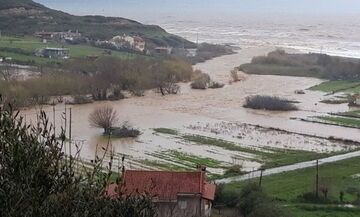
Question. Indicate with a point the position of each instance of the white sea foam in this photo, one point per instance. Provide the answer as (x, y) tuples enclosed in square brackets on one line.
[(338, 36)]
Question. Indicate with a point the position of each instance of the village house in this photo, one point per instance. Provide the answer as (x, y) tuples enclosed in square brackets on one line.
[(175, 194), (139, 44), (53, 53), (131, 42), (44, 35), (163, 50), (61, 36)]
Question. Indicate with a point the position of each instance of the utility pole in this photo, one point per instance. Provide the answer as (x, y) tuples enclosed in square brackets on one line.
[(70, 120), (261, 175), (317, 178), (54, 124), (65, 119)]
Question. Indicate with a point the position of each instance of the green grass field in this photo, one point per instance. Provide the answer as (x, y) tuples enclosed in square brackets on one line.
[(341, 121), (270, 157), (338, 86), (354, 114), (30, 44), (287, 187)]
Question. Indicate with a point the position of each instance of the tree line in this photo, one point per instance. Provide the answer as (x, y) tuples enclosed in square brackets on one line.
[(102, 79)]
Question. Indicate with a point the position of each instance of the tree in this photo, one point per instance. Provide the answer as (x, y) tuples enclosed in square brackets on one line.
[(254, 202), (164, 79), (37, 179), (251, 196), (104, 117)]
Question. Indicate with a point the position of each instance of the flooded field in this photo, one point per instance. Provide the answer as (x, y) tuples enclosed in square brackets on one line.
[(211, 126)]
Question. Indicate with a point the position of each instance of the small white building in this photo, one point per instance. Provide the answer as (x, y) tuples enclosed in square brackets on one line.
[(191, 52), (163, 50), (53, 53)]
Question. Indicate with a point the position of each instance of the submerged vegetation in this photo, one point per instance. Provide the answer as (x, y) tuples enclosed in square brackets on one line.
[(305, 65), (269, 103), (267, 156), (103, 78), (337, 86), (341, 121)]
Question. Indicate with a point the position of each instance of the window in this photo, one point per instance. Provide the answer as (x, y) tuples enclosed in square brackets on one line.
[(182, 204)]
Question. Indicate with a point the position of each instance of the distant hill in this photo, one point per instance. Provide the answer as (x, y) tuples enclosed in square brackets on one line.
[(25, 17)]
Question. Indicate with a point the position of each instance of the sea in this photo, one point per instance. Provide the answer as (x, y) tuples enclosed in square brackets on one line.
[(337, 35)]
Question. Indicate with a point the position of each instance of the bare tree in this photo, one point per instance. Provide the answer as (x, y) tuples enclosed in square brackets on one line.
[(166, 84), (104, 117)]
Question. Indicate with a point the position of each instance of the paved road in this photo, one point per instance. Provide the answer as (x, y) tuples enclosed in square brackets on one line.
[(292, 167)]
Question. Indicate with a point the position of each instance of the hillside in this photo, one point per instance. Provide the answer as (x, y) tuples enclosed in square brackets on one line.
[(25, 17)]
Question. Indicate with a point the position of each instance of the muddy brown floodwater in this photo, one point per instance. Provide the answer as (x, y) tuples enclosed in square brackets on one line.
[(214, 107)]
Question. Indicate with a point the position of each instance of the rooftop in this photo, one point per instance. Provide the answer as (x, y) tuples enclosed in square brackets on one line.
[(165, 185)]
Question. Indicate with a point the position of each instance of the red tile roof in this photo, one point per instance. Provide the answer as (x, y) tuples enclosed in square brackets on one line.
[(165, 185)]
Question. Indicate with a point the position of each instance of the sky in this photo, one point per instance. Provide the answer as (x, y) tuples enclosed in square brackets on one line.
[(136, 8)]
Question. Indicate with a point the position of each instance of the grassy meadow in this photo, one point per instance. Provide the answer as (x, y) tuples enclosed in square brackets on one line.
[(287, 189), (21, 49)]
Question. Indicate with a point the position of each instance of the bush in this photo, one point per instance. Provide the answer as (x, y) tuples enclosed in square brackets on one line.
[(234, 75), (233, 171), (81, 99), (310, 197), (125, 131), (201, 82), (225, 197), (116, 95), (269, 103), (251, 196), (37, 179), (215, 85)]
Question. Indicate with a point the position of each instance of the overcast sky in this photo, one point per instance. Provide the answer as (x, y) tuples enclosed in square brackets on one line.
[(134, 8)]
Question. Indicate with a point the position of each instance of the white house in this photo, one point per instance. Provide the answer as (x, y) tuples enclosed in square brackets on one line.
[(126, 41)]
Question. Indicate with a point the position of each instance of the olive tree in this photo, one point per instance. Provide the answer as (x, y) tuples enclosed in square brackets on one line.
[(37, 179)]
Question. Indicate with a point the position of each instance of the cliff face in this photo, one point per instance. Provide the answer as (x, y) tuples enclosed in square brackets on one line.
[(25, 17)]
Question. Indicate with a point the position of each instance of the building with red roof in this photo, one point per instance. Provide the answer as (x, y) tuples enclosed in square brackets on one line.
[(175, 194)]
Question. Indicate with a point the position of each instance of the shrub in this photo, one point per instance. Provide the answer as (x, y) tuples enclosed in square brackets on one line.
[(201, 82), (233, 171), (251, 196), (116, 95), (125, 131), (81, 99), (310, 197), (225, 197), (269, 103), (37, 179), (234, 75), (215, 85)]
